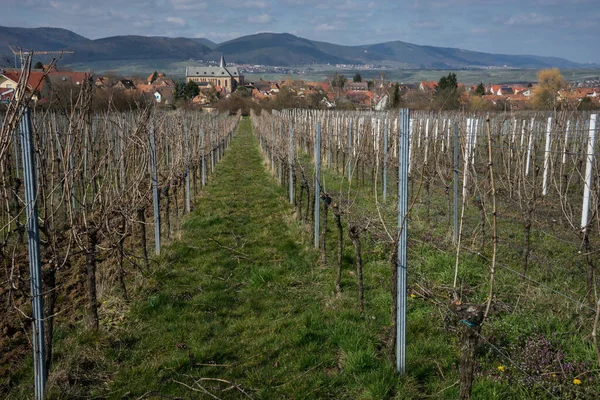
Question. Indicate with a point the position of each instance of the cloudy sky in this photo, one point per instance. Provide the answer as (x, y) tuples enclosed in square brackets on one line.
[(563, 28)]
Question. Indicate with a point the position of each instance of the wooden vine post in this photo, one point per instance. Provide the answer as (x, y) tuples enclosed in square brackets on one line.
[(471, 318), (354, 233), (494, 219), (338, 223)]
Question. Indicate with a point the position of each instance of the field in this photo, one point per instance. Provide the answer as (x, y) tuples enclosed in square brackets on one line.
[(248, 300), (176, 70), (471, 77)]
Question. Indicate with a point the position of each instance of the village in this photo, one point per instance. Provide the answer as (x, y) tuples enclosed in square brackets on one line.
[(212, 87)]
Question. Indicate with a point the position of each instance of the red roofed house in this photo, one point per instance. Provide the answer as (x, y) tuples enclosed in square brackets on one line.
[(153, 77), (427, 86), (586, 92), (164, 95), (43, 84), (36, 82), (500, 90)]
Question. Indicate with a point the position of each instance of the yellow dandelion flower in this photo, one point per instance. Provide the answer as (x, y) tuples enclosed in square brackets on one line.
[(576, 381), (501, 368), (554, 375), (412, 295)]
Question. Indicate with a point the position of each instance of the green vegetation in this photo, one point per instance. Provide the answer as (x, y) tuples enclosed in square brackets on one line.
[(241, 306), (338, 81), (545, 95), (186, 91), (447, 95), (239, 298), (395, 97), (480, 90)]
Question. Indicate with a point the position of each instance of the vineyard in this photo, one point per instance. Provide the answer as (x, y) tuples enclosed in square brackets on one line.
[(506, 264), (109, 188), (489, 222)]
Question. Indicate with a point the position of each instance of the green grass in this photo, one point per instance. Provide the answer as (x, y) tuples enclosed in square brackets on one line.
[(242, 299), (524, 313), (241, 304)]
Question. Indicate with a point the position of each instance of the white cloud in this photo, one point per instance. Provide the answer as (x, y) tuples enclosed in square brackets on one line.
[(188, 5), (176, 20), (254, 4), (325, 28), (528, 19), (259, 19)]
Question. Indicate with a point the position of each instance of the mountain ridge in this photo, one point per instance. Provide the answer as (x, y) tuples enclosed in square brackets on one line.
[(277, 49)]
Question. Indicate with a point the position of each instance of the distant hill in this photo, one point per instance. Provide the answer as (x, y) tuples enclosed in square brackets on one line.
[(281, 49), (285, 49), (208, 43), (276, 49), (136, 48), (443, 57), (35, 39)]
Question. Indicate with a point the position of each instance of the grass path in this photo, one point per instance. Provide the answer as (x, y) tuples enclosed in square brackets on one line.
[(241, 299)]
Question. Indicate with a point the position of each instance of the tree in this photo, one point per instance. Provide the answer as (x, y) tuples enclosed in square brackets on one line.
[(192, 89), (357, 77), (448, 97), (211, 95), (478, 103), (38, 65), (177, 90), (186, 91), (286, 98), (154, 76), (586, 104), (314, 99), (480, 91), (395, 96), (242, 91), (447, 83), (338, 81), (545, 95)]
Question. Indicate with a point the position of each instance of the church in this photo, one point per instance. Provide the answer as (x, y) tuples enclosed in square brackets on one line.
[(223, 78)]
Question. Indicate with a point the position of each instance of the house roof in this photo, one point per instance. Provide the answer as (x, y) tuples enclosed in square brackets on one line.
[(158, 75), (428, 85), (127, 83), (75, 78), (264, 86), (145, 88), (584, 91), (213, 72), (221, 71), (323, 85), (36, 80), (356, 86), (165, 91), (163, 81)]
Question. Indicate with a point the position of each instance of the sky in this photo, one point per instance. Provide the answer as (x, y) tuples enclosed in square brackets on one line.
[(563, 28)]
